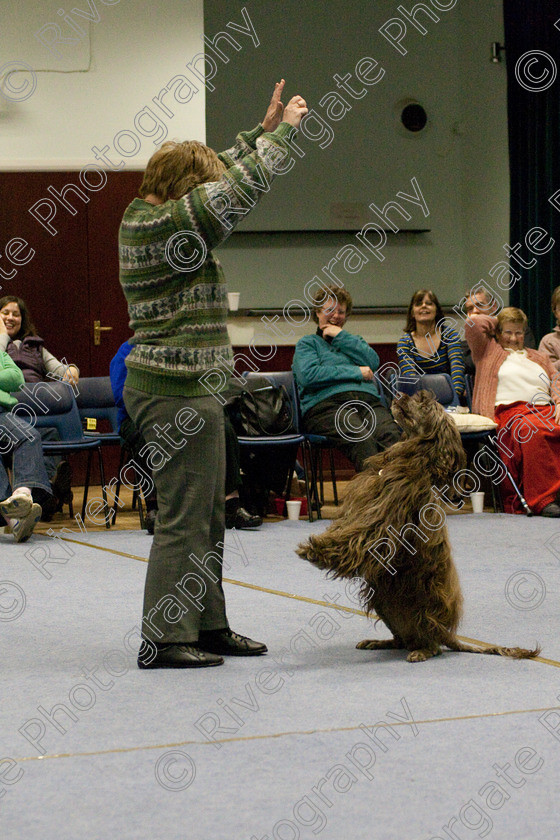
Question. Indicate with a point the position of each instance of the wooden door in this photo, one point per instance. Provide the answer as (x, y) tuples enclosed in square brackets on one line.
[(107, 302), (72, 279), (54, 283)]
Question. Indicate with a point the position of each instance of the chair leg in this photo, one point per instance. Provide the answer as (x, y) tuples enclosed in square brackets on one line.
[(116, 502), (86, 484), (320, 463), (311, 491), (316, 490), (140, 509), (288, 484), (333, 477), (104, 489)]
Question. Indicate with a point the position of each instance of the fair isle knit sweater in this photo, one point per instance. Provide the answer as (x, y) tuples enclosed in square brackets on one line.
[(179, 316), (488, 357)]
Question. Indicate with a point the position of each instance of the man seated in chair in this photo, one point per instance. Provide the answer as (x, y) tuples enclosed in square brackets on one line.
[(334, 373)]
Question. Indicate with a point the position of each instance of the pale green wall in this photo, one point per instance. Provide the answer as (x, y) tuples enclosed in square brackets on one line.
[(460, 160)]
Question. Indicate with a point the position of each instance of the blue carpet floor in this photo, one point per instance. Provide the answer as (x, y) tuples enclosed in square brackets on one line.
[(315, 739)]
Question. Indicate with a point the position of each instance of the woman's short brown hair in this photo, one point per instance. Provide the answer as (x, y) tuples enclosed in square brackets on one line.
[(513, 314), (176, 168), (417, 299), (342, 297)]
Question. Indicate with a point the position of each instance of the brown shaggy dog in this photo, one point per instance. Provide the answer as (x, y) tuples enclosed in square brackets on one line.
[(392, 534)]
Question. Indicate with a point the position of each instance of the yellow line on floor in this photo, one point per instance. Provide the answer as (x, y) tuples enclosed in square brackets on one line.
[(303, 598), (288, 733), (102, 548)]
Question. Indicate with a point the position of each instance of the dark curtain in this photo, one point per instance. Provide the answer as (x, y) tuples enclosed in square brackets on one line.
[(534, 150)]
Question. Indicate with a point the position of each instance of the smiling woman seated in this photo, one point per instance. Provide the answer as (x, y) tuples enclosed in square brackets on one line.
[(428, 346), (334, 374), (19, 339), (519, 388)]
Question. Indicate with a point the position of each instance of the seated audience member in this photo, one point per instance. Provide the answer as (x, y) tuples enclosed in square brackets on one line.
[(26, 348), (236, 516), (334, 371), (20, 509), (427, 348), (550, 343), (19, 339), (515, 386), (480, 302)]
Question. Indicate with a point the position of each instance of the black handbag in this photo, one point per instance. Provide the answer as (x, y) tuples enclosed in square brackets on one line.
[(266, 410)]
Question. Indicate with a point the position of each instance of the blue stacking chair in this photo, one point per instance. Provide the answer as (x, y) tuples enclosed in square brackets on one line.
[(54, 406), (440, 384), (294, 439), (96, 400)]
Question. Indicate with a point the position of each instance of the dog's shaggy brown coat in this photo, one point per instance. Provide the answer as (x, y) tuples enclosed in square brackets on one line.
[(414, 587)]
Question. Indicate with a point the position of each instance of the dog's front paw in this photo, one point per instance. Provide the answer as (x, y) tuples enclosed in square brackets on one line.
[(422, 654), (377, 644)]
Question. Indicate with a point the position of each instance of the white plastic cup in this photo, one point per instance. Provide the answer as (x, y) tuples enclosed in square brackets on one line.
[(477, 502), (294, 509), (233, 301)]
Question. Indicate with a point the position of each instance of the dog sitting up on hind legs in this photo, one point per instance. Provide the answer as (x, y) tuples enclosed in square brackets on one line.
[(392, 534)]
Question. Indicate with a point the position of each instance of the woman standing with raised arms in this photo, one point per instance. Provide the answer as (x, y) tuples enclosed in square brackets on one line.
[(179, 322)]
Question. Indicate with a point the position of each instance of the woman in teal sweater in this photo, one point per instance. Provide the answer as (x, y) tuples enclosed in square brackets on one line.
[(334, 374), (20, 510)]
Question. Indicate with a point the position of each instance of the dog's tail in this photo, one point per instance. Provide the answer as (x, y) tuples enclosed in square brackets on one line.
[(512, 652)]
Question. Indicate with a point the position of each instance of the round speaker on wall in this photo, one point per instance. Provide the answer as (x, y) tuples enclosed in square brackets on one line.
[(412, 119)]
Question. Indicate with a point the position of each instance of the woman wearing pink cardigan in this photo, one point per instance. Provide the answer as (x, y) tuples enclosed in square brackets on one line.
[(520, 389)]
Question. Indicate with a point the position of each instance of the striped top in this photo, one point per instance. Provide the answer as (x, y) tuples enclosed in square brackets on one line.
[(174, 286), (448, 358)]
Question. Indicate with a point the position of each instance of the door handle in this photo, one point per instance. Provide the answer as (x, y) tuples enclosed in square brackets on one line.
[(97, 330)]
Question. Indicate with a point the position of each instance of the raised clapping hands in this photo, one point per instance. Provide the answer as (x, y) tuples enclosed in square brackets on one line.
[(295, 110), (273, 116), (3, 330), (292, 113)]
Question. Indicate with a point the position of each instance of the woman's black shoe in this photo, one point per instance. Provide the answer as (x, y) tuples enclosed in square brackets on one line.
[(151, 655), (227, 643)]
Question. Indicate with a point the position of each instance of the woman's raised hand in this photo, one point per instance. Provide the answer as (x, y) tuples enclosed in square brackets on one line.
[(295, 110), (273, 116)]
